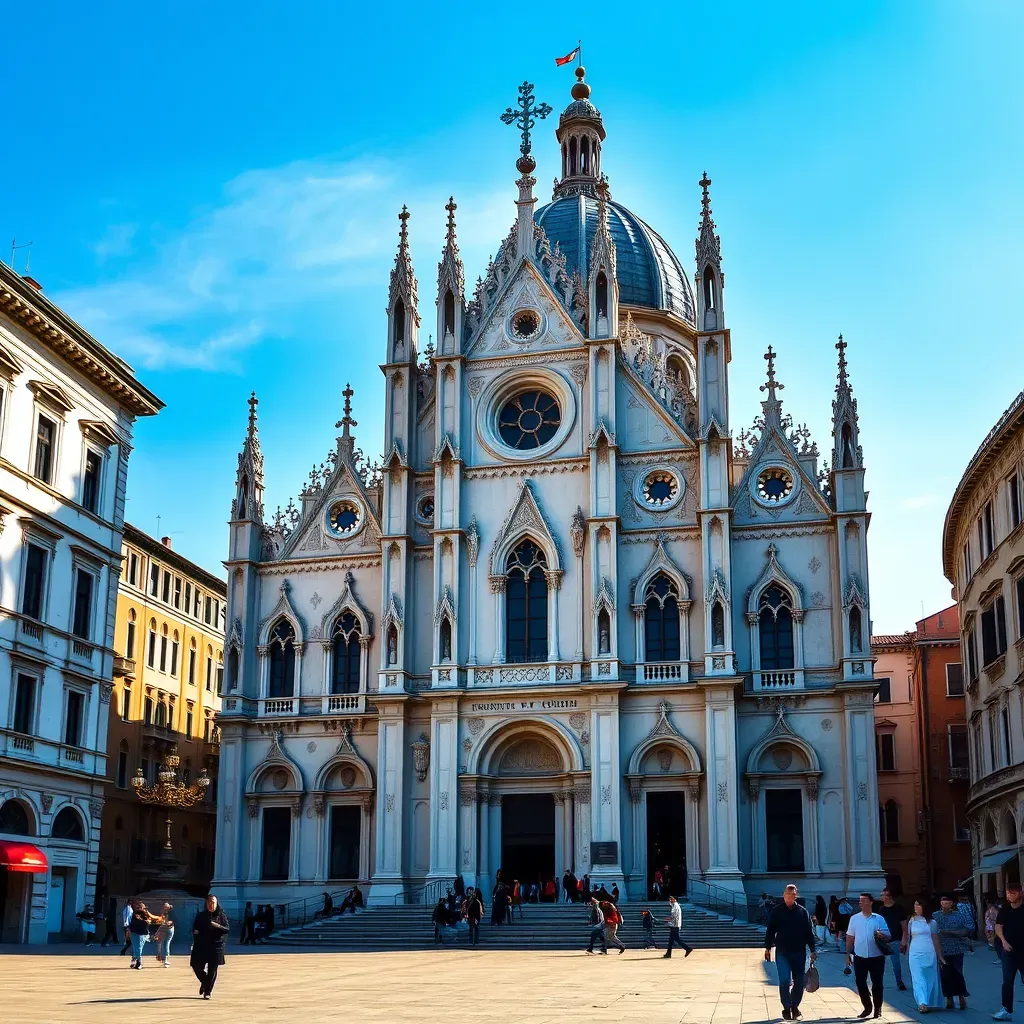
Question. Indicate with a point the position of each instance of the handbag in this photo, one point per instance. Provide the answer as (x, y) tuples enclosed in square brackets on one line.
[(883, 943), (811, 981)]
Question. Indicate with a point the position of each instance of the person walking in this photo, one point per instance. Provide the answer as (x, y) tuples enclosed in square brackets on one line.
[(126, 924), (991, 913), (954, 927), (612, 920), (966, 907), (862, 934), (820, 922), (596, 926), (141, 921), (790, 931), (675, 922), (924, 954), (896, 918), (209, 937), (647, 923), (248, 936), (474, 914), (440, 920), (87, 919), (1009, 930), (165, 936)]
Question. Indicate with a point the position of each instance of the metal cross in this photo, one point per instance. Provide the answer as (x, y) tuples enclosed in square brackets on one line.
[(527, 116), (772, 385), (841, 346)]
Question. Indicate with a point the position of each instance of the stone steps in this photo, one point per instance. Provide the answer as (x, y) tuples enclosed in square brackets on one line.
[(542, 926)]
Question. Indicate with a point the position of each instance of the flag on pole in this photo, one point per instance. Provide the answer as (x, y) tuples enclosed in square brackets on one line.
[(559, 61)]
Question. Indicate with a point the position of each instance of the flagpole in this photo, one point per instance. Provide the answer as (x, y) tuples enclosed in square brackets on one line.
[(579, 53)]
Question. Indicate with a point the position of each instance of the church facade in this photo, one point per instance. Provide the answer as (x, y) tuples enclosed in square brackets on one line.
[(574, 619)]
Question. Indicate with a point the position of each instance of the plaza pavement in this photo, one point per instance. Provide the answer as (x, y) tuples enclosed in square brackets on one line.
[(67, 985)]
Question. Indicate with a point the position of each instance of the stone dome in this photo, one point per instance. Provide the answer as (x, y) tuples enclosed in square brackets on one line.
[(649, 273)]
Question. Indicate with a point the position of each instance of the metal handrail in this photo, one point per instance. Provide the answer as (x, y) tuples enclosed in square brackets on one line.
[(724, 902), (302, 911), (427, 894)]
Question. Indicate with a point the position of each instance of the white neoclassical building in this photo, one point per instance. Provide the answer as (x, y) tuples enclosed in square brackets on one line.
[(574, 619), (67, 411)]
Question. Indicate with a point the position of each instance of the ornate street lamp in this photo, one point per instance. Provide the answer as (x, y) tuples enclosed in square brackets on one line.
[(169, 792)]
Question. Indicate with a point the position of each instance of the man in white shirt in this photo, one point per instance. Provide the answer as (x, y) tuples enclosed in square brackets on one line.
[(126, 920), (868, 959), (675, 922)]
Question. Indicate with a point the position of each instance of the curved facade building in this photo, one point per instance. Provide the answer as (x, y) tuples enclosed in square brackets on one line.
[(983, 557)]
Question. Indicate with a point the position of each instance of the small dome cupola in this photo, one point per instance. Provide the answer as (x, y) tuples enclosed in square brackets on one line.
[(580, 133)]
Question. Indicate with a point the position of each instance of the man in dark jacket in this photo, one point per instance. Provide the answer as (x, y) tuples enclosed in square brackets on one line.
[(209, 936), (790, 932)]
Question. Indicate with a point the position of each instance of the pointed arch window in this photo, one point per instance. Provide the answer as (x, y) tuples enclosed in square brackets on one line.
[(572, 155), (243, 496), (445, 640), (392, 645), (232, 666), (345, 655), (856, 644), (709, 288), (399, 324), (775, 626), (449, 312), (717, 626), (282, 660), (661, 614), (526, 604), (604, 632), (846, 437), (602, 294)]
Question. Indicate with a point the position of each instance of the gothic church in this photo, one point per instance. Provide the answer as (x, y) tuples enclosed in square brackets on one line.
[(572, 620)]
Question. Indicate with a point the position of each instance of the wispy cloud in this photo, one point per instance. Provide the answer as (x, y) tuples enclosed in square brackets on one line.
[(273, 241)]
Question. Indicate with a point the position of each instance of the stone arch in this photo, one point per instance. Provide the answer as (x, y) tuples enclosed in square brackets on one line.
[(62, 817), (988, 832), (284, 609), (339, 764), (27, 808), (347, 602), (276, 760), (661, 562), (773, 573), (502, 736), (525, 522), (678, 744), (1007, 828), (782, 736)]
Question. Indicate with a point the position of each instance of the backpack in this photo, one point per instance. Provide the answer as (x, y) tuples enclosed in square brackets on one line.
[(845, 908)]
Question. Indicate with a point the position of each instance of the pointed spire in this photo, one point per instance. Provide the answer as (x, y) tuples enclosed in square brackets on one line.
[(772, 406), (847, 453), (708, 245), (249, 478), (346, 441), (403, 279), (603, 236), (450, 271)]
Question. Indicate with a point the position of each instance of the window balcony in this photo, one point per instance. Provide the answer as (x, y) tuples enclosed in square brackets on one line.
[(344, 703), (73, 755), (32, 630), (124, 668), (24, 743), (82, 651), (664, 672), (272, 706), (779, 680)]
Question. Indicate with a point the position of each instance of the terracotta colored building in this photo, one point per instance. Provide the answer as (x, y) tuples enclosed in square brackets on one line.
[(942, 717), (898, 755)]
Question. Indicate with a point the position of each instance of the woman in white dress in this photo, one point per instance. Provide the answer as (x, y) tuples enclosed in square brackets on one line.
[(925, 957)]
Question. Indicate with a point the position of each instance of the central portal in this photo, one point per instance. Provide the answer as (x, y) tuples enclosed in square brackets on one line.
[(666, 841), (528, 837)]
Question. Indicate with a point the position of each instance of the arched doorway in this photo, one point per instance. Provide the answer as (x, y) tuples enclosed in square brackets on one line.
[(525, 806)]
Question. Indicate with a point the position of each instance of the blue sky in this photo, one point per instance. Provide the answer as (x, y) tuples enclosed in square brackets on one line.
[(211, 189)]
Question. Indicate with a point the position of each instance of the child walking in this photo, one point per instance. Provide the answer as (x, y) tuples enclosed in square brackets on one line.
[(647, 923)]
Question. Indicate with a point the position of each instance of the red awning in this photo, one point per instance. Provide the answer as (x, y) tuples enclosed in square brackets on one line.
[(21, 857)]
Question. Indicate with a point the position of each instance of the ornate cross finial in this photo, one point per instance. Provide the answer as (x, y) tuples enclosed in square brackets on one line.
[(403, 234), (346, 422), (841, 347), (253, 402), (705, 202), (451, 206), (525, 118), (709, 245), (772, 385)]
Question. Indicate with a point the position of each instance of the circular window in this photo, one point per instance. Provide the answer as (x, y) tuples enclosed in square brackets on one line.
[(525, 324), (660, 488), (774, 485), (344, 518), (425, 508), (529, 420)]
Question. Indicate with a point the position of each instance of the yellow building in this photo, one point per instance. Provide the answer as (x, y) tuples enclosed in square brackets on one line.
[(168, 673)]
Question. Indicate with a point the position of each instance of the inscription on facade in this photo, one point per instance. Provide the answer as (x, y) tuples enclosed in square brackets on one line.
[(524, 705)]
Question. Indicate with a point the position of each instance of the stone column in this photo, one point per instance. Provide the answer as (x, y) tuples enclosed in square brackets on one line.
[(444, 774), (638, 858), (570, 829), (581, 794), (554, 582), (387, 874), (559, 801), (484, 855), (758, 827), (722, 774), (495, 830), (469, 863), (605, 773), (322, 829), (694, 860), (364, 835), (498, 590), (812, 863), (861, 787)]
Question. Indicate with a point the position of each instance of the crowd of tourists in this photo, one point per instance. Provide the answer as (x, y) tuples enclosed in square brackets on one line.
[(934, 938)]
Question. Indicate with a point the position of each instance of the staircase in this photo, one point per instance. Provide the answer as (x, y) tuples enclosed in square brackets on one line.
[(543, 926)]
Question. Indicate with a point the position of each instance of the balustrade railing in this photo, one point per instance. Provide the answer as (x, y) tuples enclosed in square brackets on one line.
[(657, 671)]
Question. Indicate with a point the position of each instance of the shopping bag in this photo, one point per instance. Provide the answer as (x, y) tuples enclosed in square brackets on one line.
[(811, 981)]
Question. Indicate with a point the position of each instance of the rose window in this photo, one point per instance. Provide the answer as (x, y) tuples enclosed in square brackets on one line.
[(525, 324), (660, 487), (529, 420), (343, 518), (774, 486)]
